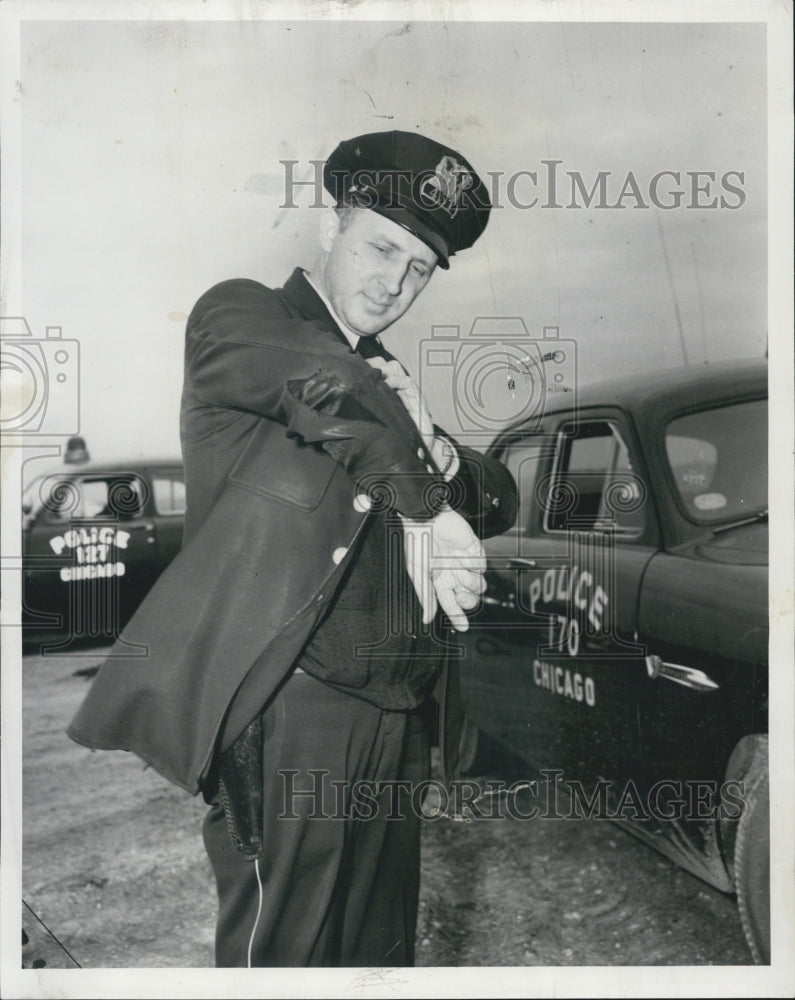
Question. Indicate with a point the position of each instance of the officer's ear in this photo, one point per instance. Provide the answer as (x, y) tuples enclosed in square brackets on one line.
[(330, 223)]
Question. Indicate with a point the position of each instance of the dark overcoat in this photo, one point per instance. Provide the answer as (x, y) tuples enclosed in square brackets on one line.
[(291, 441)]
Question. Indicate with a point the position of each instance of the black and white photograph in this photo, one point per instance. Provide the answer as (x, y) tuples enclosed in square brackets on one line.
[(397, 533)]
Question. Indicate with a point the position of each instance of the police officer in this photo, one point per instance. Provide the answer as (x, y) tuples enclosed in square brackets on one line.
[(331, 531)]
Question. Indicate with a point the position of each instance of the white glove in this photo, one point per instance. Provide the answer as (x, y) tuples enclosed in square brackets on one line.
[(410, 396), (445, 562)]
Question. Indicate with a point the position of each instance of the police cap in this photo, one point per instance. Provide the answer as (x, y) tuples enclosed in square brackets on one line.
[(425, 187)]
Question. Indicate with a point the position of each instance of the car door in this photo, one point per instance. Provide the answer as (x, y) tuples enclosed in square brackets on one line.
[(552, 666), (89, 551), (495, 665)]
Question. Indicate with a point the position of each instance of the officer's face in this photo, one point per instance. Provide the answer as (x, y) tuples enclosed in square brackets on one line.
[(373, 269)]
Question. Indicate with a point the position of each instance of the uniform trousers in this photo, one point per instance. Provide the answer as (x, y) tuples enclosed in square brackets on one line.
[(338, 881)]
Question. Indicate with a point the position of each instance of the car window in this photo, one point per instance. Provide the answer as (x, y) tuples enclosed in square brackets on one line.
[(718, 461), (521, 456), (95, 497), (169, 493), (593, 485), (65, 499)]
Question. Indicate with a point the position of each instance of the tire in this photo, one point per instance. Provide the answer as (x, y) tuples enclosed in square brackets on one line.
[(752, 855)]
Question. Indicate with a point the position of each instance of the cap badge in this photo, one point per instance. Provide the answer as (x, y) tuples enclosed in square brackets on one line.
[(448, 183)]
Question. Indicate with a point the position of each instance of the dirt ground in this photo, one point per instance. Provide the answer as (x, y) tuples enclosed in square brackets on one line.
[(113, 864)]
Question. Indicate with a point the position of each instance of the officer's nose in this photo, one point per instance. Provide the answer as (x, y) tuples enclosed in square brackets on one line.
[(392, 276)]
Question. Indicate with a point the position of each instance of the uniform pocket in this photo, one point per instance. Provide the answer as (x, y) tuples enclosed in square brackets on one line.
[(283, 468)]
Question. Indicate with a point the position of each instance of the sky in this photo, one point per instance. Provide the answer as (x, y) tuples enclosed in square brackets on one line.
[(150, 171)]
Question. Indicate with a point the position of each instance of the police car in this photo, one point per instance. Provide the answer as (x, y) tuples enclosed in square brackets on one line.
[(95, 537), (621, 647)]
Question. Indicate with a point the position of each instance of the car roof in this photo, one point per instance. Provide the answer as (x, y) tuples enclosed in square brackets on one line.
[(119, 466), (650, 394), (98, 467)]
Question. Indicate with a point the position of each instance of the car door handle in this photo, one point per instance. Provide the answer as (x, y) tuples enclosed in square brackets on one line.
[(519, 562), (690, 677), (510, 603)]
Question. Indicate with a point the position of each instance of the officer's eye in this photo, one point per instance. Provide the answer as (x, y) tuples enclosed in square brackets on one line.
[(419, 270), (380, 248)]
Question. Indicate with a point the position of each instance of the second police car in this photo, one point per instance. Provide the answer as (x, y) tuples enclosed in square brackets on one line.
[(95, 537)]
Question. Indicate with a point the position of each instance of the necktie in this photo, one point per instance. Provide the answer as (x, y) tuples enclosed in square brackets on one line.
[(369, 347)]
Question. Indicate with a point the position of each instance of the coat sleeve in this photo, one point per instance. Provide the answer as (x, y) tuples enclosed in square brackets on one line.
[(482, 490), (244, 351)]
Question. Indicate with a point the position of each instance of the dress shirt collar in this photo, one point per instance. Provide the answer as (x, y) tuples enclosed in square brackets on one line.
[(311, 304), (314, 305), (350, 336)]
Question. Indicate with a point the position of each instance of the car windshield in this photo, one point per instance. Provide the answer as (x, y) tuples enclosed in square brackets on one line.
[(718, 459)]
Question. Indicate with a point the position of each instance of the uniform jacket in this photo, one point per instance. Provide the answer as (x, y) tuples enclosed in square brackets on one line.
[(290, 439)]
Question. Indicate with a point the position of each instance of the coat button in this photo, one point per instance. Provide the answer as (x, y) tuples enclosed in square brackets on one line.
[(431, 469), (362, 503), (420, 453), (338, 555)]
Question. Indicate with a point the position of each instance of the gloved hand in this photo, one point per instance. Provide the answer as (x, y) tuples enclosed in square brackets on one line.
[(404, 385), (446, 563), (410, 396)]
